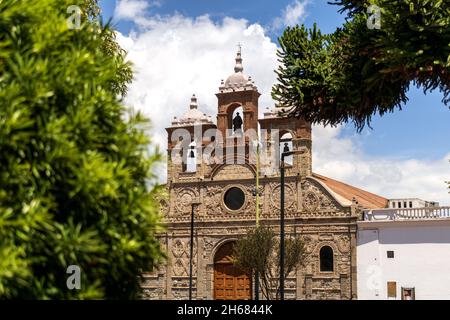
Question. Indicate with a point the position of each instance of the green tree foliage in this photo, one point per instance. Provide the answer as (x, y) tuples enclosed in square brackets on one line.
[(259, 252), (358, 71), (75, 168)]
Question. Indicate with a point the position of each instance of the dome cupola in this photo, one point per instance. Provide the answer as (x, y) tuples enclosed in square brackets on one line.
[(192, 116), (238, 80)]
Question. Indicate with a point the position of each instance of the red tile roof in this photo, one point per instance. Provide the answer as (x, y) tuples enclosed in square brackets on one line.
[(367, 199)]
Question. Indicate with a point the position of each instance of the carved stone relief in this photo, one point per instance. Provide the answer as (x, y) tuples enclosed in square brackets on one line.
[(310, 201), (343, 243), (184, 198), (213, 197), (289, 196), (180, 252), (317, 201), (152, 293)]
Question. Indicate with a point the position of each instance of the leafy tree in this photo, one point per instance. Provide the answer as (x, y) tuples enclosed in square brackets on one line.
[(357, 71), (259, 252), (74, 173)]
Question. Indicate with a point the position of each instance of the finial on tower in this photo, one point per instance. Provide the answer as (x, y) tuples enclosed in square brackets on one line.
[(194, 104), (239, 67)]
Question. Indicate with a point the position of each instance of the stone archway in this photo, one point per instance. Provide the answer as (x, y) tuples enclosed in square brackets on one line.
[(230, 283)]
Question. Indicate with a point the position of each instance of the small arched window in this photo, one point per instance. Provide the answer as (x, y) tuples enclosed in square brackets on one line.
[(286, 146), (326, 259), (237, 122), (191, 161)]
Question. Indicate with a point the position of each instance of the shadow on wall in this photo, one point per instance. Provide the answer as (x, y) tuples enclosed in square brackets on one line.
[(407, 235)]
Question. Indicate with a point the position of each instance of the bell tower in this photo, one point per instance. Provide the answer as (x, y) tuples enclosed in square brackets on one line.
[(238, 90), (185, 143), (290, 134)]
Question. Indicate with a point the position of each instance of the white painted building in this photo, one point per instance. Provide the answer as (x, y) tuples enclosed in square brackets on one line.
[(405, 203), (404, 254)]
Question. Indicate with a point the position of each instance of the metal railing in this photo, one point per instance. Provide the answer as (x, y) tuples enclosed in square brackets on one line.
[(426, 213)]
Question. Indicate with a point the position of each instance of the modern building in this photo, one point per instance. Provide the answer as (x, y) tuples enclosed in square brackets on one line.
[(404, 254), (220, 190)]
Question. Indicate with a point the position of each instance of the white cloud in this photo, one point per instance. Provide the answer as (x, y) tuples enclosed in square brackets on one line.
[(342, 159), (133, 9), (176, 56), (293, 14)]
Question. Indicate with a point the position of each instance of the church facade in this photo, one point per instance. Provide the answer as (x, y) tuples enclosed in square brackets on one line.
[(212, 175)]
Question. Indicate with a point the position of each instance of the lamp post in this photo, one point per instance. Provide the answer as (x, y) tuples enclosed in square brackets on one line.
[(191, 247), (285, 153), (257, 194)]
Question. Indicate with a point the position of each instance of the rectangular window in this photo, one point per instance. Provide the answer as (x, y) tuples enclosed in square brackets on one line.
[(392, 289), (408, 293), (390, 254), (393, 205), (404, 205), (410, 204), (399, 204)]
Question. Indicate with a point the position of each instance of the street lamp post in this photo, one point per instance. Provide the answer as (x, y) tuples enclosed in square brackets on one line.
[(282, 227), (191, 248), (257, 194), (191, 251), (285, 153)]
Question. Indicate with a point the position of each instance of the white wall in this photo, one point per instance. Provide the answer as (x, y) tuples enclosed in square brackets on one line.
[(416, 203), (421, 258)]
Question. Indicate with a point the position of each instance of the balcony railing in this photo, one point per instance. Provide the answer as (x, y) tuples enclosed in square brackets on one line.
[(427, 213)]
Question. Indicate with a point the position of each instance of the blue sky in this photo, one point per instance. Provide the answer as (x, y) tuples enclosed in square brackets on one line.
[(421, 129), (262, 12), (419, 132)]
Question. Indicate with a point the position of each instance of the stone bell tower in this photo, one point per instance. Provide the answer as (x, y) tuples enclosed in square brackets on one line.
[(186, 142), (293, 132), (238, 90)]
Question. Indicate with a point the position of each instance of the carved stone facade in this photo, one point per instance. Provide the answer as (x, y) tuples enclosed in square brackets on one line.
[(312, 211)]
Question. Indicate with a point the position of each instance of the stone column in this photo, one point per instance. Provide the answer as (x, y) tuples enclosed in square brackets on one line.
[(201, 211), (308, 286), (168, 268), (299, 278), (222, 124), (299, 196), (345, 292), (209, 281), (353, 271), (265, 210), (200, 269)]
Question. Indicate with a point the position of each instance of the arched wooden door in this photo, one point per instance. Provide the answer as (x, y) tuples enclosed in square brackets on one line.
[(230, 283)]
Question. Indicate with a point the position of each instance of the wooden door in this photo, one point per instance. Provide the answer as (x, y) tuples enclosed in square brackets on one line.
[(230, 283)]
